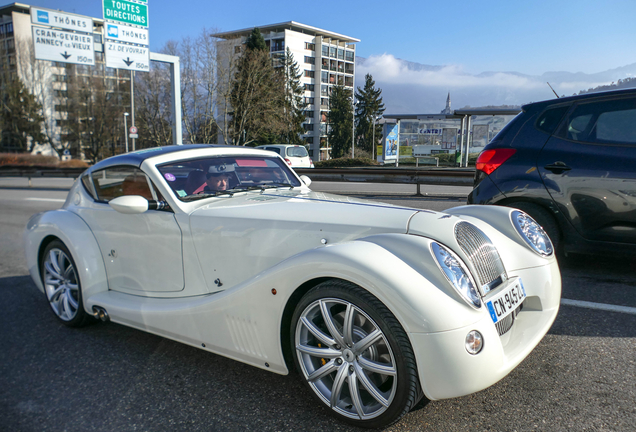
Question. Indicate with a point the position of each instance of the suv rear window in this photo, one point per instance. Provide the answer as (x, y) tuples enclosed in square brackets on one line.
[(605, 122), (550, 119)]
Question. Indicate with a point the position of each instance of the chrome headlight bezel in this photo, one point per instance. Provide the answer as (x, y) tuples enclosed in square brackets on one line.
[(532, 233), (457, 274)]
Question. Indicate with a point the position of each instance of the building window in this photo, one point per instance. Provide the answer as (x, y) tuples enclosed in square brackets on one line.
[(310, 46), (340, 54), (59, 108), (311, 60), (332, 52), (349, 68), (309, 140), (59, 78), (309, 114), (324, 77), (309, 74), (325, 51), (309, 87), (8, 28), (324, 102), (61, 93), (324, 90), (308, 127), (10, 44), (277, 45), (309, 100), (349, 55), (97, 37)]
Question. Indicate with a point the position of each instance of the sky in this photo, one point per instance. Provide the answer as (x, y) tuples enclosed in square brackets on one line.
[(467, 38)]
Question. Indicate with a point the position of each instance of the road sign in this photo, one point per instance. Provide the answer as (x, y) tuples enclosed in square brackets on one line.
[(134, 135), (133, 130), (61, 20), (124, 33), (124, 56), (126, 12), (63, 46)]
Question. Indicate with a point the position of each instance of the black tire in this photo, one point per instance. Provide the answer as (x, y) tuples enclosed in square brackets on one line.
[(384, 371), (543, 218), (62, 287)]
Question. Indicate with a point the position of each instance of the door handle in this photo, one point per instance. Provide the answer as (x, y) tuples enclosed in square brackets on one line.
[(557, 167)]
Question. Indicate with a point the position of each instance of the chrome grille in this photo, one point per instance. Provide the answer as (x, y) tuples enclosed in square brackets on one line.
[(506, 324), (483, 256)]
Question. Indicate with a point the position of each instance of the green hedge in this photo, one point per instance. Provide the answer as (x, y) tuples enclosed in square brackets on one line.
[(346, 162)]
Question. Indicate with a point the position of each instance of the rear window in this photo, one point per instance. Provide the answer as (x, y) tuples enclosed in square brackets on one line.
[(605, 122), (297, 151), (550, 119)]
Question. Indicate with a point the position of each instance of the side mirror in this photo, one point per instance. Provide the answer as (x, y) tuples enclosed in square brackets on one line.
[(305, 180), (129, 204)]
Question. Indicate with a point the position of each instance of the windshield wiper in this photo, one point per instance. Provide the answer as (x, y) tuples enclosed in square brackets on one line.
[(195, 197), (277, 185)]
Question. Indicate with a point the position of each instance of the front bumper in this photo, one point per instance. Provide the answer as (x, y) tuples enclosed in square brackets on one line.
[(447, 370)]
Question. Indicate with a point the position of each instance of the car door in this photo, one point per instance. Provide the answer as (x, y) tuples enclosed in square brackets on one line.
[(142, 252), (589, 168)]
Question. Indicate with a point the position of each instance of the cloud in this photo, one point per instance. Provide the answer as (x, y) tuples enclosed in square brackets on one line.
[(409, 87)]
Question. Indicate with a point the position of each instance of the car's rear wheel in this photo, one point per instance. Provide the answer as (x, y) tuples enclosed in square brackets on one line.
[(62, 285), (354, 355), (543, 218)]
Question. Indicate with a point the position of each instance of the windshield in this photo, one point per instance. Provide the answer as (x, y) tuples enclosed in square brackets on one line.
[(297, 151), (212, 176)]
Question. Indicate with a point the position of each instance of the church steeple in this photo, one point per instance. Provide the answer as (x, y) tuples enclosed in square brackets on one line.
[(447, 110)]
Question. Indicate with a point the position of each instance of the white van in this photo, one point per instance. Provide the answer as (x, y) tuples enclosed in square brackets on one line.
[(296, 156)]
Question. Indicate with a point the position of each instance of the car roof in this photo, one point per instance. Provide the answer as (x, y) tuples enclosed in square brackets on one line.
[(136, 158), (565, 100)]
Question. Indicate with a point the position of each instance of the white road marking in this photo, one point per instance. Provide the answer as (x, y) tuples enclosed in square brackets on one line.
[(45, 199), (599, 306)]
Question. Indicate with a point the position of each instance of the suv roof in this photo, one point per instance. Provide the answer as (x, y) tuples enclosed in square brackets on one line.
[(535, 105)]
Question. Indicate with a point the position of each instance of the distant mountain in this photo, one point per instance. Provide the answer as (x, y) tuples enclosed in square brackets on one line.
[(414, 88)]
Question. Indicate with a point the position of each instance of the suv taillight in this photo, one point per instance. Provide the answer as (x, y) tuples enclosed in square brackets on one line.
[(490, 160), (288, 161)]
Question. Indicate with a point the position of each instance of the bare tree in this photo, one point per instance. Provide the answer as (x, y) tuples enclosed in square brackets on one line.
[(153, 103), (93, 111), (38, 77)]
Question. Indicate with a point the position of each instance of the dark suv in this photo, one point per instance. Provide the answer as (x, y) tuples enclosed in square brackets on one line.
[(571, 164)]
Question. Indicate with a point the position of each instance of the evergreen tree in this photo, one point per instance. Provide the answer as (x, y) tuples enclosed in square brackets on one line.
[(20, 116), (294, 108), (369, 106), (340, 121), (257, 96), (255, 41)]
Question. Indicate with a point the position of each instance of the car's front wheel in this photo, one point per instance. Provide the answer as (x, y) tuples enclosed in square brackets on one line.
[(62, 285), (354, 355)]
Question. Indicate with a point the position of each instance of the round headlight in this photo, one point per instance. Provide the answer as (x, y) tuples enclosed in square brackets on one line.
[(532, 233), (456, 273)]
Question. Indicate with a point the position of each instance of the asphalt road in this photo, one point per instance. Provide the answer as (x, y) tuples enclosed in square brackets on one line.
[(107, 377)]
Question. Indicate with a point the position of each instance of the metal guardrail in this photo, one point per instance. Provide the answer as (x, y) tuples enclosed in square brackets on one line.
[(426, 176)]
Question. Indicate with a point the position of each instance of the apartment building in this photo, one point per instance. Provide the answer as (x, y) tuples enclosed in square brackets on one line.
[(49, 81), (324, 58)]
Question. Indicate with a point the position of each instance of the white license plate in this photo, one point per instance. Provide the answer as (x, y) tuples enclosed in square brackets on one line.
[(506, 301)]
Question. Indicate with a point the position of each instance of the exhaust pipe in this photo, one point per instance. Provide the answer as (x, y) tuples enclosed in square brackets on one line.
[(100, 312)]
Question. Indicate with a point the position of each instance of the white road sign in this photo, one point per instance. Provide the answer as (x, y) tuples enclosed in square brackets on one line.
[(124, 56), (61, 20), (63, 46), (124, 33)]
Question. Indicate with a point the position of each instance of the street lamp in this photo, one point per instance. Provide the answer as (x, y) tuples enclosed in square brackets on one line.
[(126, 129)]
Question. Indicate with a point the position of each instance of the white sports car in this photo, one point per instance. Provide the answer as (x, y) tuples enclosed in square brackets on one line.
[(228, 250)]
